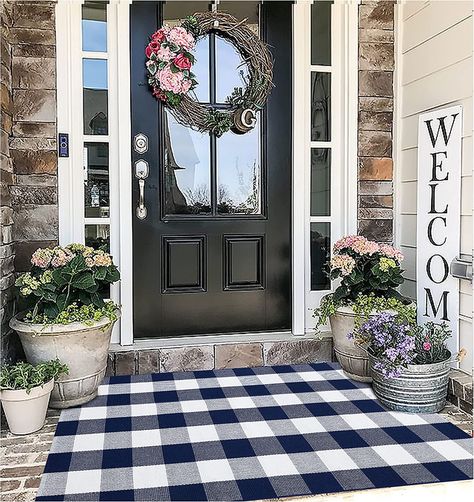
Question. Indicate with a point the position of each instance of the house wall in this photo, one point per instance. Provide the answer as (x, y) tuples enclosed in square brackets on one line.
[(28, 147), (435, 43)]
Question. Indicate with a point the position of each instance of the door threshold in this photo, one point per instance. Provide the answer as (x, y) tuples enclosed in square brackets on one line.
[(212, 339)]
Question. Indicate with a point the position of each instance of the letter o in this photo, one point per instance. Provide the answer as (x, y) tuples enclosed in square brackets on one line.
[(445, 265)]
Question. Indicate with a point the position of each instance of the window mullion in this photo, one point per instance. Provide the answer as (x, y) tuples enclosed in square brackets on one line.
[(213, 139)]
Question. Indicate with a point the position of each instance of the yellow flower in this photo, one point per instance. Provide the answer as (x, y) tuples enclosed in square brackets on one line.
[(386, 263)]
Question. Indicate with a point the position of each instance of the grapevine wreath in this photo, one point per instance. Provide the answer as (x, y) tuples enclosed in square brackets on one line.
[(169, 66)]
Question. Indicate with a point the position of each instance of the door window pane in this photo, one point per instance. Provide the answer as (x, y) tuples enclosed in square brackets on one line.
[(186, 169), (201, 70), (321, 32), (243, 10), (320, 254), (96, 189), (94, 26), (98, 237), (320, 106), (95, 96), (231, 71), (320, 182), (239, 179)]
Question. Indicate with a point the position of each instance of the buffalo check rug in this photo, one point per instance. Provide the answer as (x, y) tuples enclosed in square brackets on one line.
[(244, 434)]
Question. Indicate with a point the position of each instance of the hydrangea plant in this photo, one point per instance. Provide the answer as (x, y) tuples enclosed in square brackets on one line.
[(365, 267), (369, 274), (65, 284), (395, 343)]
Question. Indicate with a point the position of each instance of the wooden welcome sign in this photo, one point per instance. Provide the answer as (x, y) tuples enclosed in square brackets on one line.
[(438, 217)]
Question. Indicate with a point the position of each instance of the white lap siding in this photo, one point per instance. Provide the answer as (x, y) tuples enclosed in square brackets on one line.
[(434, 70)]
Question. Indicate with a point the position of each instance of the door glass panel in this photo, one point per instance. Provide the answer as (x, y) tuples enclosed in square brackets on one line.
[(231, 71), (95, 96), (320, 253), (98, 237), (201, 70), (94, 26), (320, 182), (320, 106), (243, 10), (175, 12), (239, 177), (96, 189), (186, 169), (321, 32)]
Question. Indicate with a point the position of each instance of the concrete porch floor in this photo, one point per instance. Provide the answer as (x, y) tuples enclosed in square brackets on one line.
[(24, 457)]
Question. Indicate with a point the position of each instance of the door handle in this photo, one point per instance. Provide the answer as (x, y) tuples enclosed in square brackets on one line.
[(141, 172)]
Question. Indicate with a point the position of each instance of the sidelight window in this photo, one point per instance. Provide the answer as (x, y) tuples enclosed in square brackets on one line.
[(321, 147), (95, 125), (205, 175)]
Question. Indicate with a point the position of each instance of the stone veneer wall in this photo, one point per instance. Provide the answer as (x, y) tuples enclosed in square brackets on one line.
[(7, 251), (375, 171), (29, 158)]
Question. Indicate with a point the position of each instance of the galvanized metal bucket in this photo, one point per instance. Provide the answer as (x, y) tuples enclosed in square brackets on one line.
[(421, 388)]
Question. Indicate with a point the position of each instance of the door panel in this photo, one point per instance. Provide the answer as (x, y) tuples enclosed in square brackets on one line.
[(213, 253)]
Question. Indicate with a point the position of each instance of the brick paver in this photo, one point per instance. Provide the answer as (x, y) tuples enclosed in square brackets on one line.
[(23, 457)]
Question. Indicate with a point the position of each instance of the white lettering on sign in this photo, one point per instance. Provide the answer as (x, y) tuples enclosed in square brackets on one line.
[(439, 217)]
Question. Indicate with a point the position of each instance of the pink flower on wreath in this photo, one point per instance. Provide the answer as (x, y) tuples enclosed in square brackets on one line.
[(159, 94), (152, 47), (426, 346), (186, 85), (182, 62), (179, 36), (165, 54), (160, 35), (170, 81)]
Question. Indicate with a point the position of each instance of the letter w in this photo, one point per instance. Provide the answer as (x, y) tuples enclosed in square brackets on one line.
[(442, 127)]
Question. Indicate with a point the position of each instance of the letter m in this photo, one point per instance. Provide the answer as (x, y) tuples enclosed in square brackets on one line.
[(429, 302)]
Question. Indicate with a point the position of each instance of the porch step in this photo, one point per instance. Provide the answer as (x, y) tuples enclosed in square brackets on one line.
[(208, 353)]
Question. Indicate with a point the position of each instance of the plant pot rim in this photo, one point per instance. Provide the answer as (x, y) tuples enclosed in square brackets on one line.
[(413, 365), (22, 395), (53, 329)]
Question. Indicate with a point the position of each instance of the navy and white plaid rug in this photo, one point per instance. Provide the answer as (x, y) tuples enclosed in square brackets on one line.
[(244, 434)]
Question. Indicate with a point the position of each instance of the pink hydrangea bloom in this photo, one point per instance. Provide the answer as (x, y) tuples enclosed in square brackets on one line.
[(391, 252), (61, 257), (179, 36), (358, 244), (42, 257), (344, 263)]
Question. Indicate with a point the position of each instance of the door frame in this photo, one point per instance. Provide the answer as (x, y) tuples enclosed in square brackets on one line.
[(344, 92)]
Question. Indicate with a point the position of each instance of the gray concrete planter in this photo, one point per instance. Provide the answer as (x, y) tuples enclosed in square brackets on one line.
[(421, 388), (83, 348), (352, 358)]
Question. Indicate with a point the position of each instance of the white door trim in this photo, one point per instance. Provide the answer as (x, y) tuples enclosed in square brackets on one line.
[(343, 144)]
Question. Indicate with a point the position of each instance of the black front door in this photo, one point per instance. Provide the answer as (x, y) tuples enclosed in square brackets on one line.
[(212, 254)]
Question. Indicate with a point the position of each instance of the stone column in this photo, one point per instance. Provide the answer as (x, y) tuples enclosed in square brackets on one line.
[(33, 138), (29, 212), (375, 171), (7, 251)]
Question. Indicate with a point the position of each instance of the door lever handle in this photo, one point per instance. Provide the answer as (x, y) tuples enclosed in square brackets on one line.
[(141, 209), (141, 172)]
